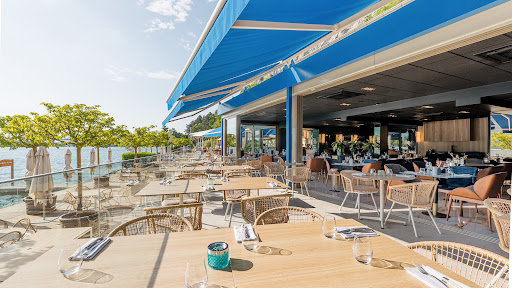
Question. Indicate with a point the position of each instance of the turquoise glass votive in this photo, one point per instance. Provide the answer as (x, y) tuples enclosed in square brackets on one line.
[(218, 255)]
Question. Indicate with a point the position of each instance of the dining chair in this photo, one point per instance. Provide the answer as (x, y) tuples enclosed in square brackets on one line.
[(274, 170), (417, 165), (122, 194), (486, 187), (330, 173), (413, 195), (488, 171), (350, 186), (297, 175), (25, 224), (9, 238), (397, 169), (287, 214), (232, 197), (449, 184), (152, 224), (266, 158), (256, 165), (374, 165), (254, 206), (315, 165), (192, 212), (500, 207), (482, 267)]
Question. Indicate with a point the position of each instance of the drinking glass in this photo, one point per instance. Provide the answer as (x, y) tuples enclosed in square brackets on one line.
[(329, 226), (196, 275), (389, 172), (362, 249), (373, 171), (249, 244), (422, 170), (65, 265)]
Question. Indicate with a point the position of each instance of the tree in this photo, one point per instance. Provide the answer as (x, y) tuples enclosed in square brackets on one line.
[(76, 124), (501, 140), (107, 138), (21, 131), (179, 142), (140, 137), (163, 138), (206, 122)]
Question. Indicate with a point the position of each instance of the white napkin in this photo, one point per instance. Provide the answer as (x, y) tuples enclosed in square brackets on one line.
[(429, 280), (340, 230), (358, 174), (273, 184), (208, 188), (406, 175), (89, 255), (239, 233)]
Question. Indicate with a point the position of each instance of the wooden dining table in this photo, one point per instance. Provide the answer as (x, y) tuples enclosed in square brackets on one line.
[(289, 255)]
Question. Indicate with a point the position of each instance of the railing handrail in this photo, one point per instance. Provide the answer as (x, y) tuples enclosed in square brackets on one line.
[(72, 170)]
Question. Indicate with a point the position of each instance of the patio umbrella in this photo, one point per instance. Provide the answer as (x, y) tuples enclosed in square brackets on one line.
[(67, 161), (41, 187), (109, 159), (30, 163), (92, 159)]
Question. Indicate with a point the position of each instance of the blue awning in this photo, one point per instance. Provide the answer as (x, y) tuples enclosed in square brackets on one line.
[(229, 55), (183, 107), (214, 133), (501, 122)]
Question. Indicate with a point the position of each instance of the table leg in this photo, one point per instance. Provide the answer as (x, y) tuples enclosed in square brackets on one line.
[(181, 203), (334, 183), (435, 205), (382, 198)]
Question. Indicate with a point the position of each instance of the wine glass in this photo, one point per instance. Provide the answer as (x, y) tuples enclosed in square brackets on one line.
[(70, 259), (196, 275), (372, 171), (362, 249), (329, 226), (249, 243)]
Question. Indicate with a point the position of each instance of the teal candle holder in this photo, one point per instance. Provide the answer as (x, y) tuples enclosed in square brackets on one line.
[(218, 255)]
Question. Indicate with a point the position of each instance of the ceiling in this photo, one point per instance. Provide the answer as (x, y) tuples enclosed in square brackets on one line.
[(449, 71)]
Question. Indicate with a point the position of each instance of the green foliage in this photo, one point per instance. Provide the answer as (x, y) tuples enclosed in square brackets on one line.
[(140, 137), (131, 155), (179, 142), (383, 9), (175, 133), (338, 146), (501, 140), (206, 122), (370, 146), (355, 146), (21, 131)]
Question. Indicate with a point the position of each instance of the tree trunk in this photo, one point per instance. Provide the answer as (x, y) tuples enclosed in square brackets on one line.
[(135, 152), (79, 165), (34, 148)]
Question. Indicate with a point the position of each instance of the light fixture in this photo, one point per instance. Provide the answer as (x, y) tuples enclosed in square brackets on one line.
[(345, 104), (427, 107), (425, 119), (463, 112), (339, 119), (284, 109), (368, 89), (391, 115)]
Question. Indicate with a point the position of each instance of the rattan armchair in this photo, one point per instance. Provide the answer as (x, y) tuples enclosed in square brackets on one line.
[(500, 207), (350, 187), (484, 268), (297, 175), (25, 224), (192, 212), (10, 238), (233, 197), (256, 165), (417, 195), (274, 170), (152, 224), (287, 214), (254, 206)]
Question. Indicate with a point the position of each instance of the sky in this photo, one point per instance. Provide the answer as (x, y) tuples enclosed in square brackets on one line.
[(125, 55)]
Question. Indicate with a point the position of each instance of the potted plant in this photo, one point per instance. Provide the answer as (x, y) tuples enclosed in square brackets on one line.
[(370, 146), (338, 147), (355, 146)]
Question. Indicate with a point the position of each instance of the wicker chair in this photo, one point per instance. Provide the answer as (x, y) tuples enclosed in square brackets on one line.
[(418, 195), (256, 165), (479, 266), (25, 224), (192, 212), (72, 201), (274, 170), (254, 206), (233, 197), (287, 214), (350, 187), (125, 194), (266, 158), (10, 238), (297, 175), (330, 172), (152, 224), (500, 207)]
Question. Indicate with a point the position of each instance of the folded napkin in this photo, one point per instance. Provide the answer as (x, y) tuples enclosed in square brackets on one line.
[(207, 188), (92, 248), (273, 184), (430, 281), (132, 183), (358, 174), (406, 175), (351, 232), (239, 234)]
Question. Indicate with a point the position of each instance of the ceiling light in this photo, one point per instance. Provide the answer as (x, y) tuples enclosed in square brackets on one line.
[(427, 107), (463, 112), (368, 89), (345, 104), (392, 115), (425, 119), (339, 119), (284, 109)]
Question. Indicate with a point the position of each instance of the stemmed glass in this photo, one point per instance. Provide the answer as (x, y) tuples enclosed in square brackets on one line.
[(70, 260), (373, 172), (362, 249), (329, 226), (196, 275), (249, 244)]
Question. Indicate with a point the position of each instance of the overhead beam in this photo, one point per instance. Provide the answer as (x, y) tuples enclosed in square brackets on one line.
[(284, 26), (469, 96)]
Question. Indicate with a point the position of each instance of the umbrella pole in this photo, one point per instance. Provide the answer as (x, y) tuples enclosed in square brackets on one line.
[(99, 200)]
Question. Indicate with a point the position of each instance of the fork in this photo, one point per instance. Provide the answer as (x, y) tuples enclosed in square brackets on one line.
[(422, 271)]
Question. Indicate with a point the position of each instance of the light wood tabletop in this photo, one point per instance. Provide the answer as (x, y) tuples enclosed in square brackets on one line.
[(21, 253), (296, 255), (195, 186), (202, 168)]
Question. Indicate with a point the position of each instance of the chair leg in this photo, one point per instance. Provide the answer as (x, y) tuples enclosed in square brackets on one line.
[(301, 192), (489, 218), (358, 206), (375, 203), (226, 214), (412, 220), (307, 190), (231, 215), (432, 217), (449, 208), (344, 199), (461, 211), (389, 213)]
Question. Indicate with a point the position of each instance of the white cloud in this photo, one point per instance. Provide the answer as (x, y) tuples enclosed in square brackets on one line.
[(162, 75), (185, 44), (140, 2), (178, 9), (117, 74), (191, 34), (157, 24), (212, 0)]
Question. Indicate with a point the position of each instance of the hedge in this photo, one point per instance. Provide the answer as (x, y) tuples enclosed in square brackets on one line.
[(131, 155)]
